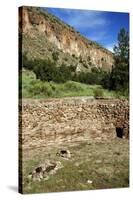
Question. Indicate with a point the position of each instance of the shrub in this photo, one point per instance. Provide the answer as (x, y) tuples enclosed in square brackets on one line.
[(40, 88), (55, 89), (98, 92), (26, 63), (72, 68), (73, 86), (122, 93), (88, 78), (45, 70), (63, 74), (106, 80)]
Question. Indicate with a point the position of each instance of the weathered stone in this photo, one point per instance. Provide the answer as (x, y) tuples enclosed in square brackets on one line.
[(64, 153), (44, 171), (71, 119)]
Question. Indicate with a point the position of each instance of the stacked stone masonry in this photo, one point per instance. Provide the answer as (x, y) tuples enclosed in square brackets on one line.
[(44, 122)]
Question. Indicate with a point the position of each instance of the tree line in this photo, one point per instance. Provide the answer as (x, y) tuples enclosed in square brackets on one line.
[(117, 79)]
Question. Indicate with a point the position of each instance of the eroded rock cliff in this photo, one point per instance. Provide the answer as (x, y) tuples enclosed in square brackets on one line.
[(44, 35)]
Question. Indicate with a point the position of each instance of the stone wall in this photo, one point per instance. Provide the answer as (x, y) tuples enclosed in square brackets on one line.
[(43, 122)]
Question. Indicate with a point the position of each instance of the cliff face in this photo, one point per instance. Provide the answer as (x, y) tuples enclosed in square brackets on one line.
[(44, 34)]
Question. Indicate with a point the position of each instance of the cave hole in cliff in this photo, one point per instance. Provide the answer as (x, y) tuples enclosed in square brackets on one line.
[(119, 132)]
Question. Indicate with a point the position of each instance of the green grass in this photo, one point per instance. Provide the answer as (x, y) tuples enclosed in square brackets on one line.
[(106, 164), (33, 88)]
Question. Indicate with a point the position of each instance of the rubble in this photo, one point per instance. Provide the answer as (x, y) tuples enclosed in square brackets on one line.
[(44, 170)]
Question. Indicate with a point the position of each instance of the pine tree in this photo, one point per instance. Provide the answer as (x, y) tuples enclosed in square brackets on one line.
[(119, 79)]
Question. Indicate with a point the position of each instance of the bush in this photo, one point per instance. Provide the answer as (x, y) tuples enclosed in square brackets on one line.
[(26, 63), (98, 92), (88, 78), (46, 70), (63, 74), (73, 86), (40, 88), (106, 81), (123, 93)]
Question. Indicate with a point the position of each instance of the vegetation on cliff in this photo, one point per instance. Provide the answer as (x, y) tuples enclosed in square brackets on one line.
[(44, 36), (47, 70), (58, 74), (43, 78)]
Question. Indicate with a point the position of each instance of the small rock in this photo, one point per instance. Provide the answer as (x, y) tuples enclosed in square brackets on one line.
[(64, 153)]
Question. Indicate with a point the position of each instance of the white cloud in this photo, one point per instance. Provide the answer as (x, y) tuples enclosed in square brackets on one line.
[(110, 47), (81, 18), (93, 24), (86, 19), (97, 36)]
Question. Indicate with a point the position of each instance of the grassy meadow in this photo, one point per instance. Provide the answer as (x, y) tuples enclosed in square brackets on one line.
[(35, 88), (93, 165)]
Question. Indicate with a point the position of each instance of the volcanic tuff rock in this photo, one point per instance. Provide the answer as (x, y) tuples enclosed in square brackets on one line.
[(47, 37)]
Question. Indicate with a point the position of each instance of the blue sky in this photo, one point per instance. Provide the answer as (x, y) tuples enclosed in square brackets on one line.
[(99, 26)]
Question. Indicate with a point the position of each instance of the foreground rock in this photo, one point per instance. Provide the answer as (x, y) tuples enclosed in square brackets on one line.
[(64, 153), (44, 171)]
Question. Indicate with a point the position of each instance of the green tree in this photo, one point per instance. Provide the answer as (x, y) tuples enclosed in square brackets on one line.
[(119, 79), (45, 70), (63, 74)]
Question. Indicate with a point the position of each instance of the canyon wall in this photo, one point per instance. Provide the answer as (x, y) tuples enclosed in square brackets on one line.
[(41, 25), (45, 122)]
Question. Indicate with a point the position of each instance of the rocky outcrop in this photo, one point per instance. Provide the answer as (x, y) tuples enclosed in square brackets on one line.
[(44, 122), (47, 34)]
